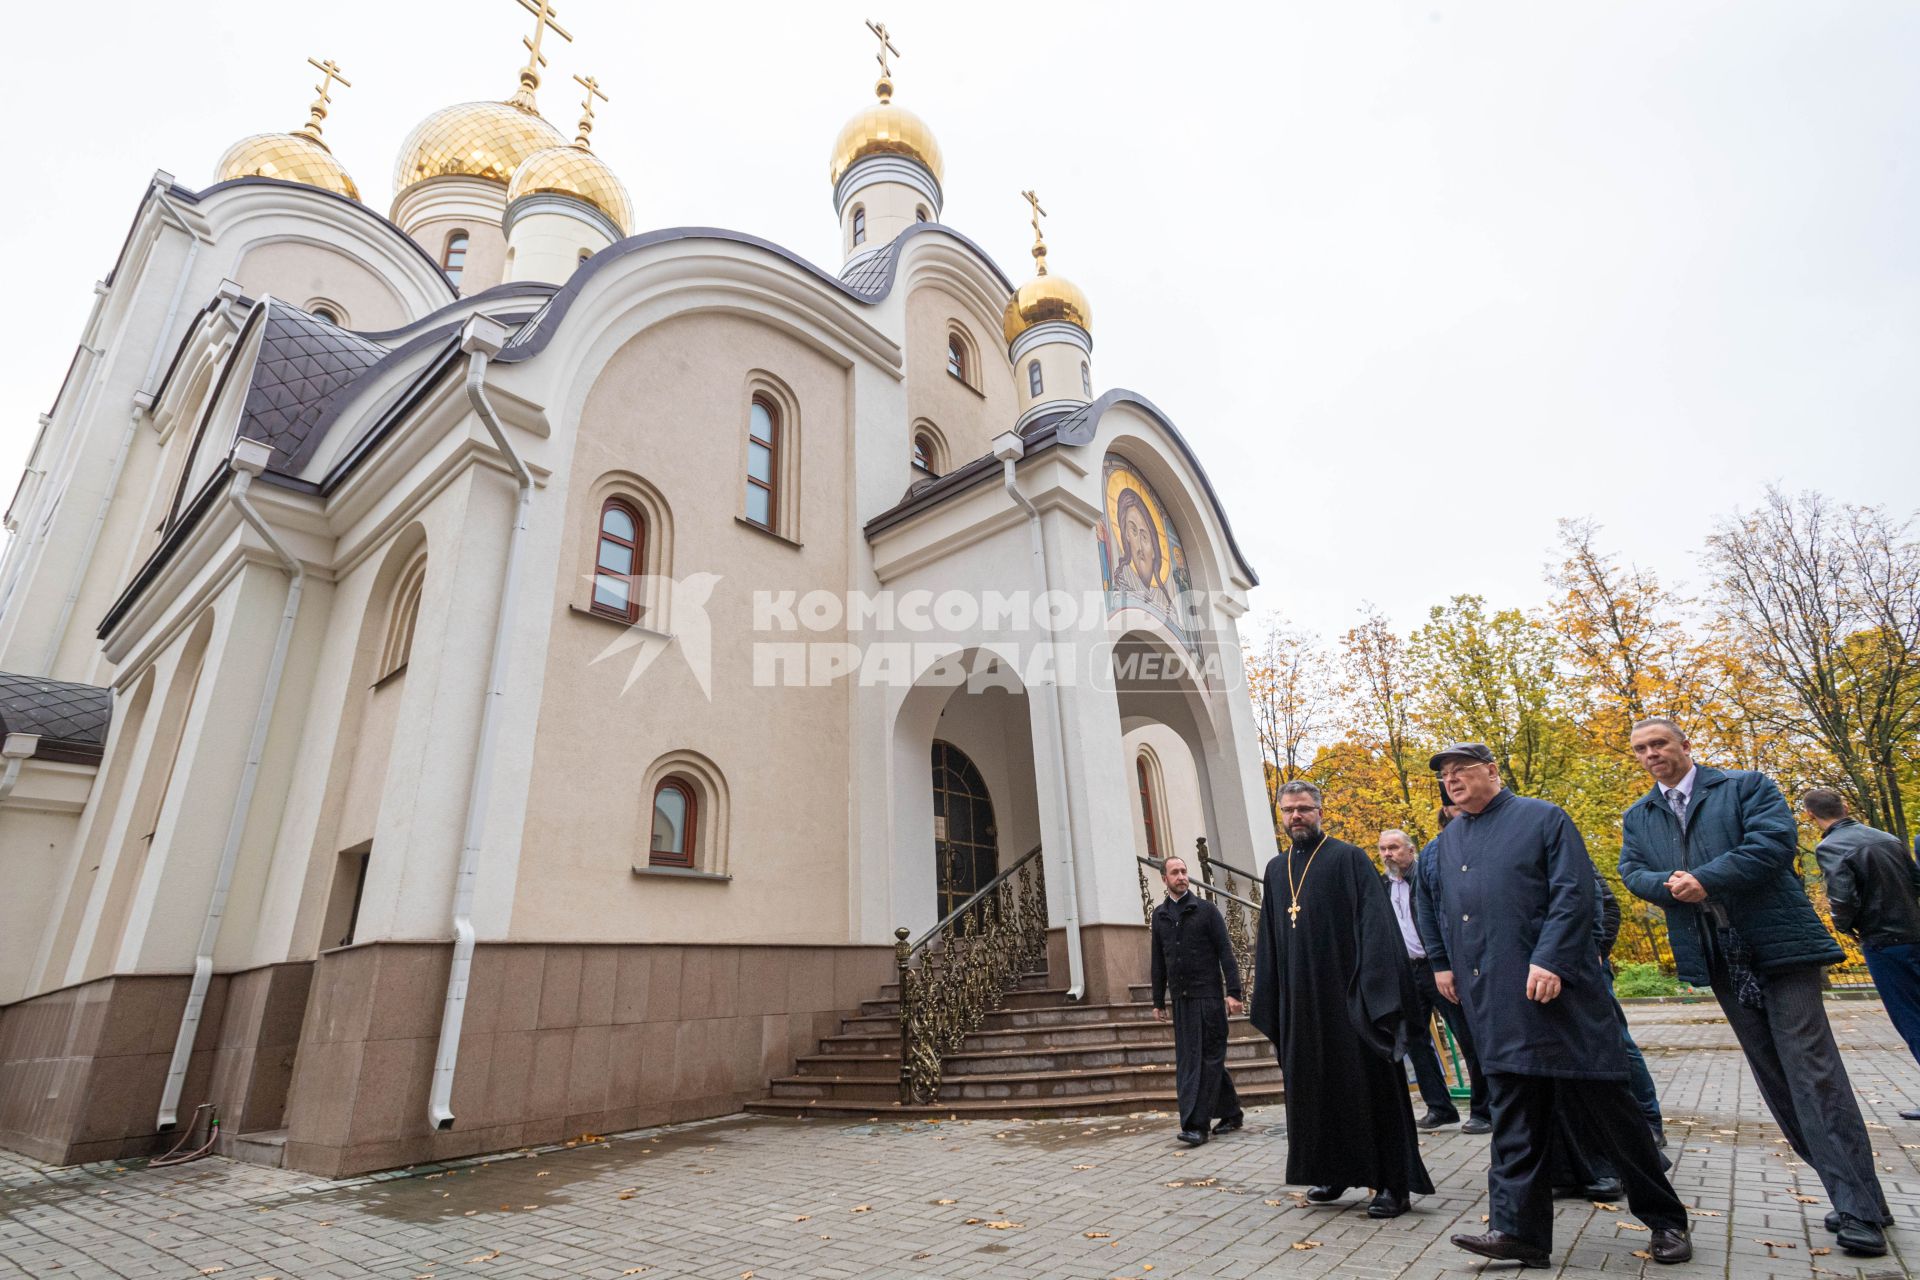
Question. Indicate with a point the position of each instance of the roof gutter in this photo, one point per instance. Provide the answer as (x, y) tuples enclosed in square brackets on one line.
[(482, 339), (248, 460), (18, 749), (1009, 448)]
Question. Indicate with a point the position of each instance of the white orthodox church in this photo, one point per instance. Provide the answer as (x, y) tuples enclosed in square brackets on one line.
[(488, 673)]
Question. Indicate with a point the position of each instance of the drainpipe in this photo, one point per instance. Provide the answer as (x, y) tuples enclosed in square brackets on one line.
[(142, 401), (1009, 448), (482, 339), (249, 459), (18, 749)]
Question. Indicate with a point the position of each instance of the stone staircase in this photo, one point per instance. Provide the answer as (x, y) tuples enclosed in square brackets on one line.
[(1035, 1055)]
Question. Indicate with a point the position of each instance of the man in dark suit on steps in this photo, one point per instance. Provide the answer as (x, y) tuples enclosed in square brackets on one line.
[(1190, 954)]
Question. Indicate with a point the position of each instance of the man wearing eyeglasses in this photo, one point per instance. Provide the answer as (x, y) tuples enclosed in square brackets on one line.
[(1514, 899)]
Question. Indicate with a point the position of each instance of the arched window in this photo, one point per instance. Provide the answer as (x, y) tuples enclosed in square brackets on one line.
[(763, 456), (321, 313), (957, 356), (405, 616), (618, 556), (1034, 383), (1147, 815), (923, 453), (920, 214), (859, 224), (454, 260), (585, 254), (1086, 380), (675, 811)]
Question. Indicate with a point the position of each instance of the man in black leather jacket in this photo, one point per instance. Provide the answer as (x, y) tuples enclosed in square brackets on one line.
[(1873, 888)]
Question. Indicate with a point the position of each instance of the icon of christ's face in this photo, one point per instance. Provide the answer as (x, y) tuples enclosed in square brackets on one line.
[(1137, 542)]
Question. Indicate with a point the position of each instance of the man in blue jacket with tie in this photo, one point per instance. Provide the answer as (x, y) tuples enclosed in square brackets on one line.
[(1717, 849)]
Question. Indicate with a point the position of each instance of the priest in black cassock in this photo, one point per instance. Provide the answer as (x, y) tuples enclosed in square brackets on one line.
[(1335, 995)]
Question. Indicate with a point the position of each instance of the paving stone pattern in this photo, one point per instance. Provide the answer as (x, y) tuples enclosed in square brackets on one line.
[(776, 1199)]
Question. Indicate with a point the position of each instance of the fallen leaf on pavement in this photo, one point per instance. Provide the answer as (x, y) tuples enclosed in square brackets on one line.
[(1641, 1253), (1629, 1226), (485, 1257), (633, 1271), (861, 1208), (1806, 1199), (1095, 1235), (1005, 1224), (973, 1222), (1203, 1182), (1610, 1208), (1275, 1204), (949, 1200), (1174, 1184), (1306, 1244), (1820, 1252), (1082, 1166)]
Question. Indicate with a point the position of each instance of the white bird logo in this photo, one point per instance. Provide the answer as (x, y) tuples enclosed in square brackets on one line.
[(683, 604)]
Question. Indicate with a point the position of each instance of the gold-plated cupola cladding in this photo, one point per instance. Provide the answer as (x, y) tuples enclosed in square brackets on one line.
[(299, 156), (1044, 298), (884, 129)]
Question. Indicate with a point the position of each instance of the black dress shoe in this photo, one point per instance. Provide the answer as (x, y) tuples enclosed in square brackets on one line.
[(1671, 1245), (1436, 1118), (1862, 1239), (1500, 1245), (1389, 1205), (1193, 1137), (1229, 1126), (1911, 1115), (1833, 1220), (1477, 1124), (1325, 1195)]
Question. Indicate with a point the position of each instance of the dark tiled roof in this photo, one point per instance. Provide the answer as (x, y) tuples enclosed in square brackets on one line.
[(304, 362), (71, 719)]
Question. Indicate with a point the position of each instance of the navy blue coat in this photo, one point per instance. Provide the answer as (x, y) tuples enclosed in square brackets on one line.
[(1740, 844), (1512, 887)]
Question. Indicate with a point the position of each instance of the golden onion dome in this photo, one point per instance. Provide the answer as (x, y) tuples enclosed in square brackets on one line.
[(886, 130), (472, 140), (291, 157), (1042, 299), (577, 172)]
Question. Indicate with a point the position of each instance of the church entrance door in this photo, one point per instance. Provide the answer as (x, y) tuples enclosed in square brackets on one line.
[(965, 841)]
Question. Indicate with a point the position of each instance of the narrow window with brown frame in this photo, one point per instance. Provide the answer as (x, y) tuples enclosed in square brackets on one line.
[(617, 560), (956, 357), (859, 225), (675, 812), (1146, 807), (454, 260), (763, 457)]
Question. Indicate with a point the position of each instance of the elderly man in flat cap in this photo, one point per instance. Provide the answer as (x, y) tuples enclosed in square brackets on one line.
[(1513, 895)]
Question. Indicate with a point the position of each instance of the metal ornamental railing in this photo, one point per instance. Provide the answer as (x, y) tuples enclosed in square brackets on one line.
[(959, 970)]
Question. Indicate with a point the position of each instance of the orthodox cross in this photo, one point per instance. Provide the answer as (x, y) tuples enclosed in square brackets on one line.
[(592, 86), (542, 11), (879, 29), (329, 72), (1039, 240)]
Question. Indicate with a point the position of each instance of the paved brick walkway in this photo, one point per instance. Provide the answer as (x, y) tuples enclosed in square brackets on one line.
[(779, 1199)]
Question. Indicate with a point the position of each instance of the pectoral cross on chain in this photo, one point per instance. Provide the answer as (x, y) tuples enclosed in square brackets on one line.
[(1293, 916)]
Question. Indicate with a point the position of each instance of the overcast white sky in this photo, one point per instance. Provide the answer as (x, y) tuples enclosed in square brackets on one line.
[(1415, 280)]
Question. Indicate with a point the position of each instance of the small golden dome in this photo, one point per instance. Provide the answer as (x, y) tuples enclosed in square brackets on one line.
[(291, 157), (1042, 299), (884, 129), (577, 172), (472, 139)]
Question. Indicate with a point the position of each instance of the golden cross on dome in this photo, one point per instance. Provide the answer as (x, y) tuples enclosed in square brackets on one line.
[(592, 86), (329, 72), (884, 86), (542, 11), (1039, 240)]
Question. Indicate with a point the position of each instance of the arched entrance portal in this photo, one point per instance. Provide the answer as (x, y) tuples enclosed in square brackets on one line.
[(965, 840)]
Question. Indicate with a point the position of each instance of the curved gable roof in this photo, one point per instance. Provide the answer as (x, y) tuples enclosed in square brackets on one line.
[(869, 281), (1075, 428)]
